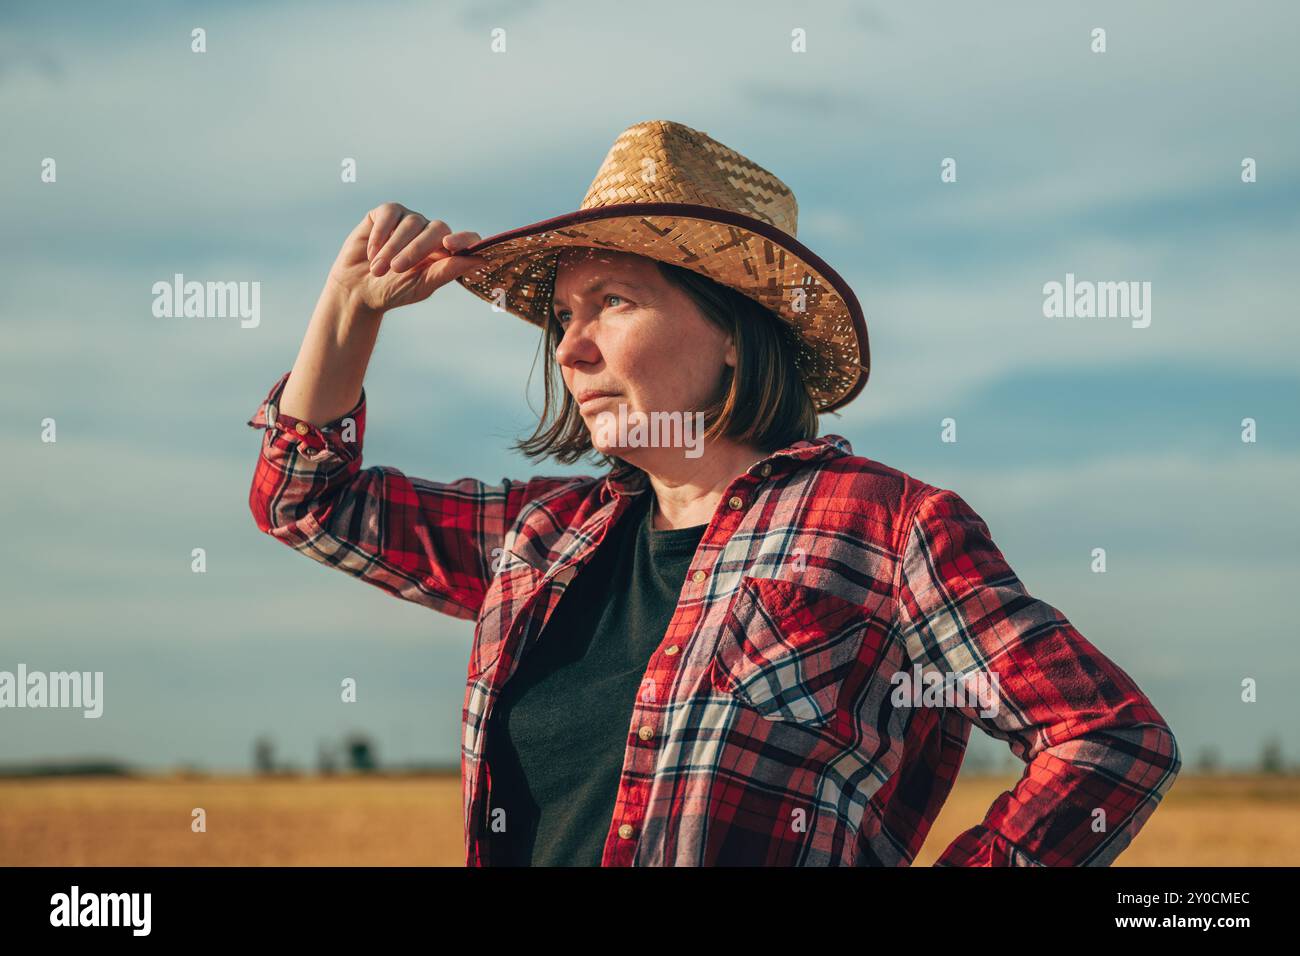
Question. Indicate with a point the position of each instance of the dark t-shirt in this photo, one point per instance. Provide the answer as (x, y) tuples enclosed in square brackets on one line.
[(560, 728)]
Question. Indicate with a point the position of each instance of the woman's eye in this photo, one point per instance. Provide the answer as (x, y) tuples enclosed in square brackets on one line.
[(562, 316)]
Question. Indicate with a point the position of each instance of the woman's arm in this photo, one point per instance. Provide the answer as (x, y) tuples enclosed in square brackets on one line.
[(428, 542), (393, 257), (433, 543), (327, 376), (1098, 755)]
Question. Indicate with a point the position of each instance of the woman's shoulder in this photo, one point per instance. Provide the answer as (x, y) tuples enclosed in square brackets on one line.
[(873, 483)]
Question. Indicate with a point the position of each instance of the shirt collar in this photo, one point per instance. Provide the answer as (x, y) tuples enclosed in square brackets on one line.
[(627, 479)]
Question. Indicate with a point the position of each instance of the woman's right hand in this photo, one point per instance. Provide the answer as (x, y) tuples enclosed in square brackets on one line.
[(396, 256)]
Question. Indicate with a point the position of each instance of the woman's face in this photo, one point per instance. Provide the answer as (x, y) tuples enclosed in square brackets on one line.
[(636, 336)]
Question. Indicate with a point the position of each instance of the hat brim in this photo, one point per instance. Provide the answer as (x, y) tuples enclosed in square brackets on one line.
[(761, 261)]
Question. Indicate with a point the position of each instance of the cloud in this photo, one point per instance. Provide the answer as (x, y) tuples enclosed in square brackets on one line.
[(226, 166)]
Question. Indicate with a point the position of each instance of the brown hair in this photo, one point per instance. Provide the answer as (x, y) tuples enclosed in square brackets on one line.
[(762, 402)]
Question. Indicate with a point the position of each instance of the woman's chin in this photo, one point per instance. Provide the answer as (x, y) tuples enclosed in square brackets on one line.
[(607, 449), (612, 449)]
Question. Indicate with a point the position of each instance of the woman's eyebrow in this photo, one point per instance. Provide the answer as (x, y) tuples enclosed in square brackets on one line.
[(599, 284)]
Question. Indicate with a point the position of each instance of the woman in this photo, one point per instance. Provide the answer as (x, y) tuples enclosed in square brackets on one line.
[(770, 651)]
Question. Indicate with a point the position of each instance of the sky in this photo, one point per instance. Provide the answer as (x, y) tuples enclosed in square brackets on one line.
[(1073, 433)]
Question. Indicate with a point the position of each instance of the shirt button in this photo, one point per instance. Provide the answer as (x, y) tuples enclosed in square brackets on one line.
[(302, 428), (735, 502), (671, 649), (645, 733), (766, 469), (626, 831), (698, 576)]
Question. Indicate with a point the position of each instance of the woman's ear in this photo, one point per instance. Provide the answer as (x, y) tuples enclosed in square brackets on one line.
[(731, 351)]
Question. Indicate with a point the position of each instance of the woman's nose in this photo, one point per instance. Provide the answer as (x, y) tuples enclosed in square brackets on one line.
[(575, 346)]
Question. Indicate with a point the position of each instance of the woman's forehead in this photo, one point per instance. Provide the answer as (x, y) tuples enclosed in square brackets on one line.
[(590, 270)]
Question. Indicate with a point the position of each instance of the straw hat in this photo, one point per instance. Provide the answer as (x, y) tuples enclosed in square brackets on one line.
[(673, 193)]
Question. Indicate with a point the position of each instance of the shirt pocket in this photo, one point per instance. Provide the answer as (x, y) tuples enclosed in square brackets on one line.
[(509, 593), (786, 649)]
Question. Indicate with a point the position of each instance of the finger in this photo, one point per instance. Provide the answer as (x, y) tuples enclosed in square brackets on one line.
[(410, 227), (457, 241), (428, 242), (382, 220), (438, 272)]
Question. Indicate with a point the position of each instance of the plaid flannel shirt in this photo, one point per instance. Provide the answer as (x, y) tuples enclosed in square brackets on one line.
[(769, 727)]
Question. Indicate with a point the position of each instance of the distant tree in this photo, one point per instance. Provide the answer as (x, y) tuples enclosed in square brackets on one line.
[(326, 759), (1208, 762), (361, 753), (977, 762), (1270, 760), (264, 755)]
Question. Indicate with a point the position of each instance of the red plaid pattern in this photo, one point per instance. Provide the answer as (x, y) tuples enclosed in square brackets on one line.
[(772, 726)]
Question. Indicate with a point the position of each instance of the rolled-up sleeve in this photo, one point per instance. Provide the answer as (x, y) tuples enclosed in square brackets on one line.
[(1099, 757), (432, 543)]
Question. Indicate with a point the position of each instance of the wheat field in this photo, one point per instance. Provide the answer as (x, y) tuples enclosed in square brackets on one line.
[(380, 820)]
